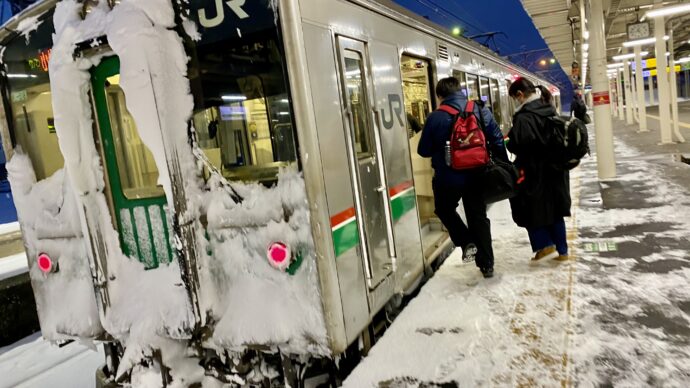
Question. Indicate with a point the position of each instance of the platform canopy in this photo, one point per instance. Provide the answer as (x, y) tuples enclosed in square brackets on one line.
[(558, 22)]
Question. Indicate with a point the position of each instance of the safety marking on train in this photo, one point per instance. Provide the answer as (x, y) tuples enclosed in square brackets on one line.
[(344, 225)]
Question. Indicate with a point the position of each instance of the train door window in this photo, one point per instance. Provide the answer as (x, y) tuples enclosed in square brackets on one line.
[(417, 91), (484, 92), (356, 95), (472, 87), (496, 102), (27, 98), (135, 163), (242, 108), (462, 77)]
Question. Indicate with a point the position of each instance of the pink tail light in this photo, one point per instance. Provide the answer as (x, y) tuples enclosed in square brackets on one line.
[(279, 255), (45, 263)]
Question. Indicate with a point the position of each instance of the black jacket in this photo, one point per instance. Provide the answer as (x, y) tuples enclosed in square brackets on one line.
[(544, 194), (578, 108), (437, 131)]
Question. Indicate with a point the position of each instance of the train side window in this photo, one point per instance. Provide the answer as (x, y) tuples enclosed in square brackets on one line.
[(472, 87), (484, 92), (356, 93), (462, 77), (135, 163), (27, 98), (416, 82), (496, 102)]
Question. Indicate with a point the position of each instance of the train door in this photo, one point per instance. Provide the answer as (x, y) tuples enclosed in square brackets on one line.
[(137, 202), (366, 163), (417, 86)]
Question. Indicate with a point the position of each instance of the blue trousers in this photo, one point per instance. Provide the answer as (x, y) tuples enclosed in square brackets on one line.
[(546, 236)]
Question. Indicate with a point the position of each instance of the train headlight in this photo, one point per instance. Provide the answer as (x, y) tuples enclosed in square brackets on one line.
[(46, 264)]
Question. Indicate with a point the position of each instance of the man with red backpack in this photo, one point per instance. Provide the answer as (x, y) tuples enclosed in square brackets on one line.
[(459, 137)]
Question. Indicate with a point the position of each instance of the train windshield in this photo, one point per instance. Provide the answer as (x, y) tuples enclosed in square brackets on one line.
[(27, 97), (242, 110)]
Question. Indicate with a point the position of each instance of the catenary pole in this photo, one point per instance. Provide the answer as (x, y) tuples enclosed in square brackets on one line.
[(606, 163)]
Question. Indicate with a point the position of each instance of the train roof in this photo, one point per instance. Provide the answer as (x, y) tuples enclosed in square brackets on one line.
[(11, 29)]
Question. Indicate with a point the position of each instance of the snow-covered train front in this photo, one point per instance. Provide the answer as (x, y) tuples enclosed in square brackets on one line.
[(221, 191)]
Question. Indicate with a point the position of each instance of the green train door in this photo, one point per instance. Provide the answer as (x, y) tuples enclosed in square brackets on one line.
[(138, 204)]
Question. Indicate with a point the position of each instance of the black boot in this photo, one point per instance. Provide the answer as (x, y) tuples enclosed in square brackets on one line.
[(487, 272)]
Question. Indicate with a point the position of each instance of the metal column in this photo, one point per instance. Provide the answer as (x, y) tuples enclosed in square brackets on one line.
[(662, 77), (674, 89), (628, 90), (651, 90), (633, 93), (606, 163), (619, 95), (583, 60), (639, 83)]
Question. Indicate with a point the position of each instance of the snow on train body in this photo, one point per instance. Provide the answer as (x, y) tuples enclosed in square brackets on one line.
[(237, 175)]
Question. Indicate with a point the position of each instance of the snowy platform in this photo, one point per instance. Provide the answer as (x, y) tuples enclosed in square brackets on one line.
[(619, 314), (35, 363), (12, 266)]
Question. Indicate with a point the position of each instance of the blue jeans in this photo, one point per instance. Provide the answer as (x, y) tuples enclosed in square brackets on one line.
[(546, 236)]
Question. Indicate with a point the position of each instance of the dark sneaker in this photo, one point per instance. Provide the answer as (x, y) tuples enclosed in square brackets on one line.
[(487, 272), (469, 253)]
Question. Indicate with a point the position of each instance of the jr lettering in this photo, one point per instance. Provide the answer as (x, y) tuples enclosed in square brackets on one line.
[(234, 5)]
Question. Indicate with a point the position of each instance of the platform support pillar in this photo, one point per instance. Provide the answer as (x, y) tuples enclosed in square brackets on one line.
[(628, 91), (639, 83), (674, 89), (662, 77), (619, 95), (606, 163)]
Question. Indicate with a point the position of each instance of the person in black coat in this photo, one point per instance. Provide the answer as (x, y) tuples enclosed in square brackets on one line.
[(451, 185), (578, 108), (544, 190)]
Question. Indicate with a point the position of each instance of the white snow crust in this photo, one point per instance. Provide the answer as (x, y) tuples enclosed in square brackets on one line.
[(50, 223), (248, 302)]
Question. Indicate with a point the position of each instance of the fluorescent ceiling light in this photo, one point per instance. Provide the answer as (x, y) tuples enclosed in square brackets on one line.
[(683, 60), (234, 97), (628, 56), (585, 46), (586, 34), (641, 42), (659, 12), (612, 65), (21, 76)]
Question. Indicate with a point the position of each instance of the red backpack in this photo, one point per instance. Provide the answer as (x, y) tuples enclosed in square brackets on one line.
[(467, 148)]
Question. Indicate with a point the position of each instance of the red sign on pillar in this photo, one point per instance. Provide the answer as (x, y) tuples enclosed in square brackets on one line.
[(601, 98)]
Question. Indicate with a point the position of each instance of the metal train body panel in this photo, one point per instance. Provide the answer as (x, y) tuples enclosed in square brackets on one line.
[(358, 74)]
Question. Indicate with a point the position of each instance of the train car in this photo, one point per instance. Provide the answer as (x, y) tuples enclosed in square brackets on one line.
[(226, 191)]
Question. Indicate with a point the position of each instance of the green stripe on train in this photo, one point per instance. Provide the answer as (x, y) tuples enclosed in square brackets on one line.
[(347, 237)]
